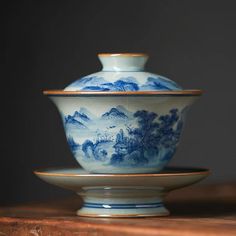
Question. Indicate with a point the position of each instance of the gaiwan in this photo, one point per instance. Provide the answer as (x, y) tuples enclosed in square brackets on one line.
[(123, 119)]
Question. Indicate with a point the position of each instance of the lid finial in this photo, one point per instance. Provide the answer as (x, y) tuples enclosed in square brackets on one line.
[(123, 61)]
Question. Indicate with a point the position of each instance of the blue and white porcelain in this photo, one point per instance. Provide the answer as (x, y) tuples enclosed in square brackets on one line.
[(123, 72), (122, 195), (122, 119)]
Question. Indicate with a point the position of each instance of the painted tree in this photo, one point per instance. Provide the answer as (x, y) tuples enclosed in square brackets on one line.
[(168, 135), (144, 137), (155, 134)]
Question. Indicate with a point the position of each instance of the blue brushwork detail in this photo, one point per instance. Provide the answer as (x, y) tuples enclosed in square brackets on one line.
[(160, 84), (81, 115), (97, 150), (95, 88), (70, 120), (77, 118), (73, 145), (121, 85), (114, 112), (88, 81), (124, 138), (147, 139), (123, 206), (95, 83)]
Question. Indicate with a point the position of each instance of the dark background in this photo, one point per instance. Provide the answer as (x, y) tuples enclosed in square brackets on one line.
[(48, 44)]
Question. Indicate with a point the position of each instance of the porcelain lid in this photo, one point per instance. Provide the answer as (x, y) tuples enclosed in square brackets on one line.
[(123, 72)]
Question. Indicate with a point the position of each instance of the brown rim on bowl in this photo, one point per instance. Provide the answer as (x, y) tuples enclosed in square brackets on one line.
[(195, 92)]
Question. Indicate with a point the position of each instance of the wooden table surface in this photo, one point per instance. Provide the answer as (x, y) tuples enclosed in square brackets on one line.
[(198, 210)]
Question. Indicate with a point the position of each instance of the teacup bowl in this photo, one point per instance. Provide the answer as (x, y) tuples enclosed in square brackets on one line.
[(123, 133)]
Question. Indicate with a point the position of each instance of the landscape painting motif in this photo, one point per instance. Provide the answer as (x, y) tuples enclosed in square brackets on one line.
[(119, 137)]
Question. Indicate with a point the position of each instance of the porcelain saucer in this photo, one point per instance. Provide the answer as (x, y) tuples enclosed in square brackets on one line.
[(122, 195)]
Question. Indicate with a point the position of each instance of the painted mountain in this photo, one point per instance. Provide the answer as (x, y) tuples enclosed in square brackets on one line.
[(114, 114), (95, 83), (100, 84), (160, 83), (86, 112), (87, 83), (73, 121), (125, 111), (82, 124), (81, 116), (123, 84)]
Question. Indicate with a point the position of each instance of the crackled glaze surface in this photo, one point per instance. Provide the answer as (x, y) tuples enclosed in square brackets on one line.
[(123, 119), (123, 73), (128, 195), (137, 135), (122, 138)]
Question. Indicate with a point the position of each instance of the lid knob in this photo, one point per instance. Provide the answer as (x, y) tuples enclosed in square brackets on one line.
[(123, 61)]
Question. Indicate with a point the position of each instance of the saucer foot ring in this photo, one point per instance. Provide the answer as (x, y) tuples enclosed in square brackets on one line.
[(123, 210), (122, 202)]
